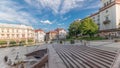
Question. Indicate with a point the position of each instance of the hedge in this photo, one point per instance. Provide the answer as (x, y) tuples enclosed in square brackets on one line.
[(12, 42), (30, 40), (3, 42)]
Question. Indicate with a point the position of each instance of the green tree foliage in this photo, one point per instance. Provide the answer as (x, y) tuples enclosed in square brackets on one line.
[(83, 27), (88, 27), (74, 28)]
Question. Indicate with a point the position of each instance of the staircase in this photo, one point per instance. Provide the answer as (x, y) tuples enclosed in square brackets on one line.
[(85, 57)]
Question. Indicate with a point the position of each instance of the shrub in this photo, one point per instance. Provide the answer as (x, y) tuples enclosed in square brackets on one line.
[(51, 42), (23, 42), (12, 42), (30, 40), (61, 42), (12, 45), (72, 41), (3, 42)]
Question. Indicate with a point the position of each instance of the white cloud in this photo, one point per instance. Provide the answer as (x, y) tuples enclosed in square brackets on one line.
[(11, 11), (57, 6), (63, 6), (53, 5), (93, 5), (46, 22), (68, 5)]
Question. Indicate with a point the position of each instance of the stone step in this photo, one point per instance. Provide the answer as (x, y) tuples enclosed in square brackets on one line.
[(72, 64), (91, 57), (73, 59), (97, 52), (85, 57), (98, 55), (64, 60)]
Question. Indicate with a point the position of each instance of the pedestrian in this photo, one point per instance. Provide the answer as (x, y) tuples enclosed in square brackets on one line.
[(22, 66), (16, 58), (9, 62), (6, 58)]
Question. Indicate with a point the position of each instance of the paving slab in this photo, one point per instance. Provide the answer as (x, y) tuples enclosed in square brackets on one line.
[(54, 59)]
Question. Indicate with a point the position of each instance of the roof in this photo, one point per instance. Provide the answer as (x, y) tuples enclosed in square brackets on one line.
[(58, 29), (52, 32), (39, 30), (5, 25), (55, 31), (94, 14)]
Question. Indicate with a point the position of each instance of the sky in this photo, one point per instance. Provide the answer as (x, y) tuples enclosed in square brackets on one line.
[(46, 14)]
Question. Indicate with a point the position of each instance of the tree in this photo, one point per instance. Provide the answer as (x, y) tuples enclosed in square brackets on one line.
[(88, 27), (74, 28)]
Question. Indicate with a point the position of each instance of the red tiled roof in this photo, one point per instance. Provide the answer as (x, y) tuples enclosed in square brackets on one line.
[(39, 30), (55, 32)]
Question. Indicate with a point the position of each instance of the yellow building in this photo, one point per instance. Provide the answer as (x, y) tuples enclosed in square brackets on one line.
[(15, 32)]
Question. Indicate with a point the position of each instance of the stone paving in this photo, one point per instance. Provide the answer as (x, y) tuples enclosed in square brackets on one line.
[(13, 51), (106, 45), (54, 59)]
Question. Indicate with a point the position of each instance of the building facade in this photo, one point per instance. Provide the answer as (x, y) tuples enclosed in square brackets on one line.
[(39, 35), (16, 32), (51, 36), (57, 34), (108, 17), (61, 33)]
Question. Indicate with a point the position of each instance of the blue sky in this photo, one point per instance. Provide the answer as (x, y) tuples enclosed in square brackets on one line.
[(46, 14)]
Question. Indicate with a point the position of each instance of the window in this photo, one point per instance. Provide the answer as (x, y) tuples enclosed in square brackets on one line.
[(107, 18), (12, 35), (7, 30), (110, 1), (104, 4), (23, 35), (17, 31), (2, 34), (98, 16), (13, 30), (2, 30), (98, 19), (106, 11), (8, 35), (107, 3), (17, 35)]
